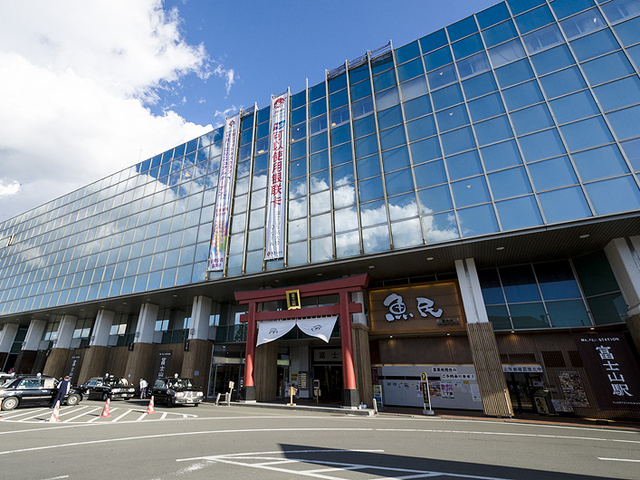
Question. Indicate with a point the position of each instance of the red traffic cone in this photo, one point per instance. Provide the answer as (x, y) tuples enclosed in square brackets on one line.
[(150, 408), (105, 410), (55, 415)]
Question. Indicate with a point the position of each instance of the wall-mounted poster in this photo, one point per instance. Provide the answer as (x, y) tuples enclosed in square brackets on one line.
[(572, 389)]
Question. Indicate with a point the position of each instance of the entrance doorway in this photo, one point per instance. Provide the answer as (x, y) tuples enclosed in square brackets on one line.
[(282, 378), (522, 386), (330, 377), (225, 373)]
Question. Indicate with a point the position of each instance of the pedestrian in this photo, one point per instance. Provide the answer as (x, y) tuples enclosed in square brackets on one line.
[(63, 389), (143, 388)]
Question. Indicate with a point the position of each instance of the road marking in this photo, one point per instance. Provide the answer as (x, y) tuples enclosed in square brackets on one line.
[(619, 460), (121, 416), (243, 460), (86, 412)]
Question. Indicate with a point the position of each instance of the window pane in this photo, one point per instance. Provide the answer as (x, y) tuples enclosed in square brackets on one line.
[(523, 95), (477, 220), (410, 70), (519, 213), (466, 47), (406, 233), (625, 123), (414, 88), (492, 15), (543, 39), (574, 107), (594, 45), (531, 119), (565, 8), (528, 315), (506, 53), (492, 131), (563, 82), (395, 159), (632, 149), (423, 127), (368, 167), (519, 284), (457, 141), (541, 145), (501, 156), (462, 28), (582, 24), (375, 239), (509, 183), (464, 165), (425, 150), (607, 68), (486, 107), (620, 9), (452, 118), (447, 97), (629, 32), (440, 228), (515, 73), (600, 163), (553, 173), (403, 206), (399, 181), (442, 77), (569, 313), (387, 99), (534, 19), (618, 94), (564, 205), (370, 189), (586, 133), (500, 33), (473, 65), (347, 245), (417, 107), (499, 317), (438, 59), (552, 60), (470, 192), (434, 40), (429, 174), (615, 195), (434, 200), (346, 219), (556, 280), (364, 126), (480, 85)]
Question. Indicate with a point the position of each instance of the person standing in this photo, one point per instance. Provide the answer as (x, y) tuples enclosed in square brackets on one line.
[(63, 389), (143, 388)]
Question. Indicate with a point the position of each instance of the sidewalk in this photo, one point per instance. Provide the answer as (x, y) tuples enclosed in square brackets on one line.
[(303, 404)]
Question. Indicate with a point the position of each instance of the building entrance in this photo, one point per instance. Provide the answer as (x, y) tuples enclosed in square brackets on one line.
[(225, 373), (330, 377), (522, 386)]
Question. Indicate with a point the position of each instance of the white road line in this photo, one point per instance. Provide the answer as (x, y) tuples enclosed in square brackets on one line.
[(14, 414), (56, 478), (142, 416), (87, 410), (123, 415), (164, 415), (619, 460)]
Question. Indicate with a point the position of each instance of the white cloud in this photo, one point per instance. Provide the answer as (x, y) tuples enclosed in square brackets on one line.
[(76, 80)]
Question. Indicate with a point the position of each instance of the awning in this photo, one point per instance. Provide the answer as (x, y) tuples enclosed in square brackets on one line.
[(320, 327)]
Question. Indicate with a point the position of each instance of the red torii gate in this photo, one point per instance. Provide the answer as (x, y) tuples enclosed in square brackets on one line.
[(344, 308)]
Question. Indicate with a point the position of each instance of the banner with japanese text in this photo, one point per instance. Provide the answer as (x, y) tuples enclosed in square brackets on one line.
[(221, 216), (611, 368), (277, 176)]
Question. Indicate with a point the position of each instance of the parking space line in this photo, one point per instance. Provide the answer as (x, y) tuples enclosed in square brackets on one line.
[(142, 416), (124, 414), (86, 412), (619, 459), (13, 414)]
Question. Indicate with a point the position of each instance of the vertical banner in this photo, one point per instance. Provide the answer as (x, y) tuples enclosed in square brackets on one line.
[(220, 233), (277, 176), (612, 369)]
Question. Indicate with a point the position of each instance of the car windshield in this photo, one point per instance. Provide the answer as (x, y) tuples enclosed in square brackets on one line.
[(180, 383), (10, 382)]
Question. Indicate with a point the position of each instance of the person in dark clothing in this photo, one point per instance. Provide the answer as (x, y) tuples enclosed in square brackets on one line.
[(63, 389)]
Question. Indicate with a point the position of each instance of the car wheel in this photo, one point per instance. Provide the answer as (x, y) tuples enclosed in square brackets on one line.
[(73, 400), (105, 395), (10, 403)]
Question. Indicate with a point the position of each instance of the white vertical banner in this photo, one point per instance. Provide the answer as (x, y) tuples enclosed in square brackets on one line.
[(277, 176), (221, 216)]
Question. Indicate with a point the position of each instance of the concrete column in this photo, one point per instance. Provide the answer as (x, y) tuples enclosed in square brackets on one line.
[(139, 362), (359, 318), (101, 328), (200, 313), (59, 354), (65, 332), (7, 336), (482, 341), (26, 360), (624, 258), (146, 323)]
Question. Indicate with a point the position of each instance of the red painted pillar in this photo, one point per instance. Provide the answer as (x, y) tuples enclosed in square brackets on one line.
[(250, 351), (348, 372)]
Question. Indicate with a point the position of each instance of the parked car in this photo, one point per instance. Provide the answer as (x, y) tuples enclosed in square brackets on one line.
[(101, 388), (177, 391), (34, 391)]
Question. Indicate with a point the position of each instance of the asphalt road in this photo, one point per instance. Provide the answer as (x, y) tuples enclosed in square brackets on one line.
[(262, 443)]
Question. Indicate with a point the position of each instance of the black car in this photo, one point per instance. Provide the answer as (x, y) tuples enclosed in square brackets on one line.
[(101, 388), (177, 391), (34, 391)]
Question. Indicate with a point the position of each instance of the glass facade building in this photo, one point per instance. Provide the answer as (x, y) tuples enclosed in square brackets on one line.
[(511, 137)]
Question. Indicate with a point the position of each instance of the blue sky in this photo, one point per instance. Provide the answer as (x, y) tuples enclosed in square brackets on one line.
[(89, 88), (274, 45)]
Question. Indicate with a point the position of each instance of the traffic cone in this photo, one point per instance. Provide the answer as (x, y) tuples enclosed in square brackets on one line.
[(150, 408), (105, 410), (55, 415)]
